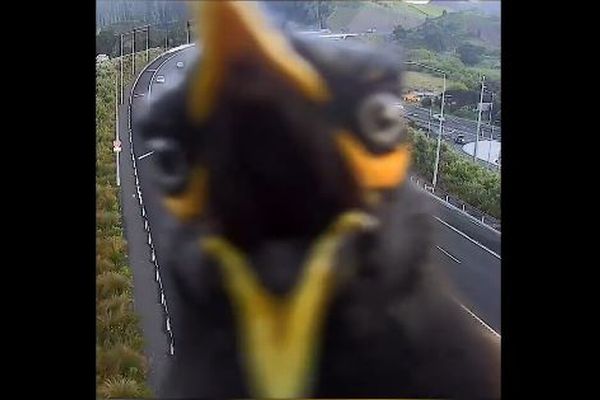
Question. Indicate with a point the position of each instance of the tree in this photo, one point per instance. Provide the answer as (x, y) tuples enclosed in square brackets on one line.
[(303, 12), (106, 42), (433, 37), (470, 54), (399, 33)]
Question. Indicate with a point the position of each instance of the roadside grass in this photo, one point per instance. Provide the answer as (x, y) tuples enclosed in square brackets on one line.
[(121, 367), (414, 80)]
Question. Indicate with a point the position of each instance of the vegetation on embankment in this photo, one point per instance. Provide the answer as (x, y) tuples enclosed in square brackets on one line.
[(471, 182), (121, 368)]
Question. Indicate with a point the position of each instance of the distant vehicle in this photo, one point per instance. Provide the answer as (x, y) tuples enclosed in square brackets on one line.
[(460, 139), (160, 79), (439, 117), (180, 64)]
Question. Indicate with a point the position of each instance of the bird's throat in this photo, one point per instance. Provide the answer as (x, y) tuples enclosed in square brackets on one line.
[(280, 335)]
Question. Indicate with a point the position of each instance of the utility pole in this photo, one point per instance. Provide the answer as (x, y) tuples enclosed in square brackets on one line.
[(147, 43), (121, 68), (167, 39), (491, 126), (319, 14), (188, 31), (441, 127), (439, 141), (133, 55), (430, 116), (479, 118)]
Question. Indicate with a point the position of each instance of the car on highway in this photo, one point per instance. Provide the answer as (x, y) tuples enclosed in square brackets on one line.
[(160, 79), (439, 117), (460, 139), (180, 64)]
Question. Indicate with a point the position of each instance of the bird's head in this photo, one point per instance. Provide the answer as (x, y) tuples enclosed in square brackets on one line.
[(267, 122), (273, 136)]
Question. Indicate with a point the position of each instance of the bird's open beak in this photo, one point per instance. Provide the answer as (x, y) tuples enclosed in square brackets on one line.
[(280, 336), (231, 31)]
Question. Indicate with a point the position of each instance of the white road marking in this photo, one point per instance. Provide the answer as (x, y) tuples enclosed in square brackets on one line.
[(146, 155), (139, 95), (161, 289), (472, 218), (469, 238), (456, 260), (478, 319)]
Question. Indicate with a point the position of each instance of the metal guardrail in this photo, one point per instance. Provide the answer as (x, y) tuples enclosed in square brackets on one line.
[(459, 204)]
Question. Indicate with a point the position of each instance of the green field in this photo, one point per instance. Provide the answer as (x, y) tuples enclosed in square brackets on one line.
[(422, 81), (490, 73)]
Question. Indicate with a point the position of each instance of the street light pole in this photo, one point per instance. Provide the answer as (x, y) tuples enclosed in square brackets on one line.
[(133, 55), (319, 14), (441, 127), (479, 118), (147, 43), (121, 68), (430, 115), (491, 129), (439, 142), (188, 31), (167, 39)]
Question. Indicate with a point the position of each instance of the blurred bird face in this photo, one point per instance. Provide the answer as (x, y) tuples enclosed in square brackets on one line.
[(281, 137), (291, 113)]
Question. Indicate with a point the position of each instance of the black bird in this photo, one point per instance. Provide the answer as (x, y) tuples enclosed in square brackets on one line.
[(302, 258)]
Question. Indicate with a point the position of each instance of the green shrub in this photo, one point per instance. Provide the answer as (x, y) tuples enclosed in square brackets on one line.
[(457, 175)]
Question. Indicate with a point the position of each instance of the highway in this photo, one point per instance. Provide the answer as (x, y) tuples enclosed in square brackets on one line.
[(467, 251), (453, 125)]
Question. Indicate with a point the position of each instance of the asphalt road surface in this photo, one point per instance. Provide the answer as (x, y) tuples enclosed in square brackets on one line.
[(467, 251), (453, 125)]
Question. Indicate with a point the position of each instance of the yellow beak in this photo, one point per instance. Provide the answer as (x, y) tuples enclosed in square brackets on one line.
[(280, 336), (236, 30)]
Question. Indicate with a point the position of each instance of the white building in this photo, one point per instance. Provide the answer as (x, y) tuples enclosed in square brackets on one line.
[(100, 58)]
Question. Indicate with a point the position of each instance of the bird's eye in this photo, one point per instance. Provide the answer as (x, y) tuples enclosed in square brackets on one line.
[(381, 119), (172, 164)]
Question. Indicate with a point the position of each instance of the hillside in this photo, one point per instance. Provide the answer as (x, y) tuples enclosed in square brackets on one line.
[(487, 7), (451, 30), (381, 15)]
